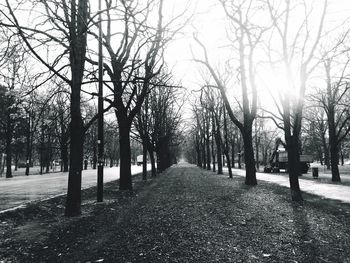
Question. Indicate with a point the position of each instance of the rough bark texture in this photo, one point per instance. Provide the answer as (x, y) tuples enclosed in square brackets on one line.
[(125, 182), (334, 152), (73, 204), (79, 14), (293, 166), (227, 146), (250, 178), (333, 143)]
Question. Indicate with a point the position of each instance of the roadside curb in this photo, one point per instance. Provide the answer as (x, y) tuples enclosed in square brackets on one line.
[(26, 204)]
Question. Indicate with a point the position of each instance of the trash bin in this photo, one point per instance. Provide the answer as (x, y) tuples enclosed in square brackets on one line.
[(314, 172)]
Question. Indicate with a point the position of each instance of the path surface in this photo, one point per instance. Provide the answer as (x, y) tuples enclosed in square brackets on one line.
[(184, 215), (22, 189), (331, 191)]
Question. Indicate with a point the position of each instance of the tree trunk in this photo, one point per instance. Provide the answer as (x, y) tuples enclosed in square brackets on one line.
[(203, 154), (144, 161), (257, 139), (41, 160), (341, 157), (48, 153), (218, 147), (64, 156), (8, 160), (94, 155), (239, 152), (47, 168), (226, 145), (16, 161), (208, 144), (198, 152), (64, 146), (333, 144), (28, 148), (294, 167), (8, 150), (334, 163), (153, 162), (42, 150), (233, 152), (73, 203), (219, 155), (163, 154), (250, 176), (213, 153), (125, 181)]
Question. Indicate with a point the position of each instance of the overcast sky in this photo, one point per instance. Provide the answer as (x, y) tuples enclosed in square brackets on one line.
[(208, 19)]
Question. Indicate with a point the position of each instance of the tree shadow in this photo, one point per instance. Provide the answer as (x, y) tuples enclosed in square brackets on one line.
[(307, 245)]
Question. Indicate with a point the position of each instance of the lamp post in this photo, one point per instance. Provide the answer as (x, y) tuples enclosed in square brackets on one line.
[(100, 139)]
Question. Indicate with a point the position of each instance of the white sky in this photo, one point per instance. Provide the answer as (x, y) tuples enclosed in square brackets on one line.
[(209, 21)]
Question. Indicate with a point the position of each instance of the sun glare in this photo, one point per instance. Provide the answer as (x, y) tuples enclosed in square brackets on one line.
[(274, 84)]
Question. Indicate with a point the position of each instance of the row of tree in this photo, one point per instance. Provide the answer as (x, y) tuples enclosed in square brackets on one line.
[(273, 31), (158, 124), (35, 131), (134, 37)]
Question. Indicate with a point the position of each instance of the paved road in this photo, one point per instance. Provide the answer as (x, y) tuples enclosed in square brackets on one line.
[(332, 191), (22, 189)]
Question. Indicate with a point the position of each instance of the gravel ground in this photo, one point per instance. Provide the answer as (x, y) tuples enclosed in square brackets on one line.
[(184, 215)]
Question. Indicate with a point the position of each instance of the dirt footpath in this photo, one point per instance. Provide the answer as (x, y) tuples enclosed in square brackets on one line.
[(184, 215)]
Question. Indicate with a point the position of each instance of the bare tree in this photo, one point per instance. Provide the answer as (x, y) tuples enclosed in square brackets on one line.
[(298, 59), (134, 59), (158, 99), (162, 134), (68, 22), (211, 101), (199, 136), (227, 144), (245, 36), (11, 73), (316, 131), (334, 100)]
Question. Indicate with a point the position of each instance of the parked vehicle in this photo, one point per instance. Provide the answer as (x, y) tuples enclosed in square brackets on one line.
[(139, 160), (279, 160)]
